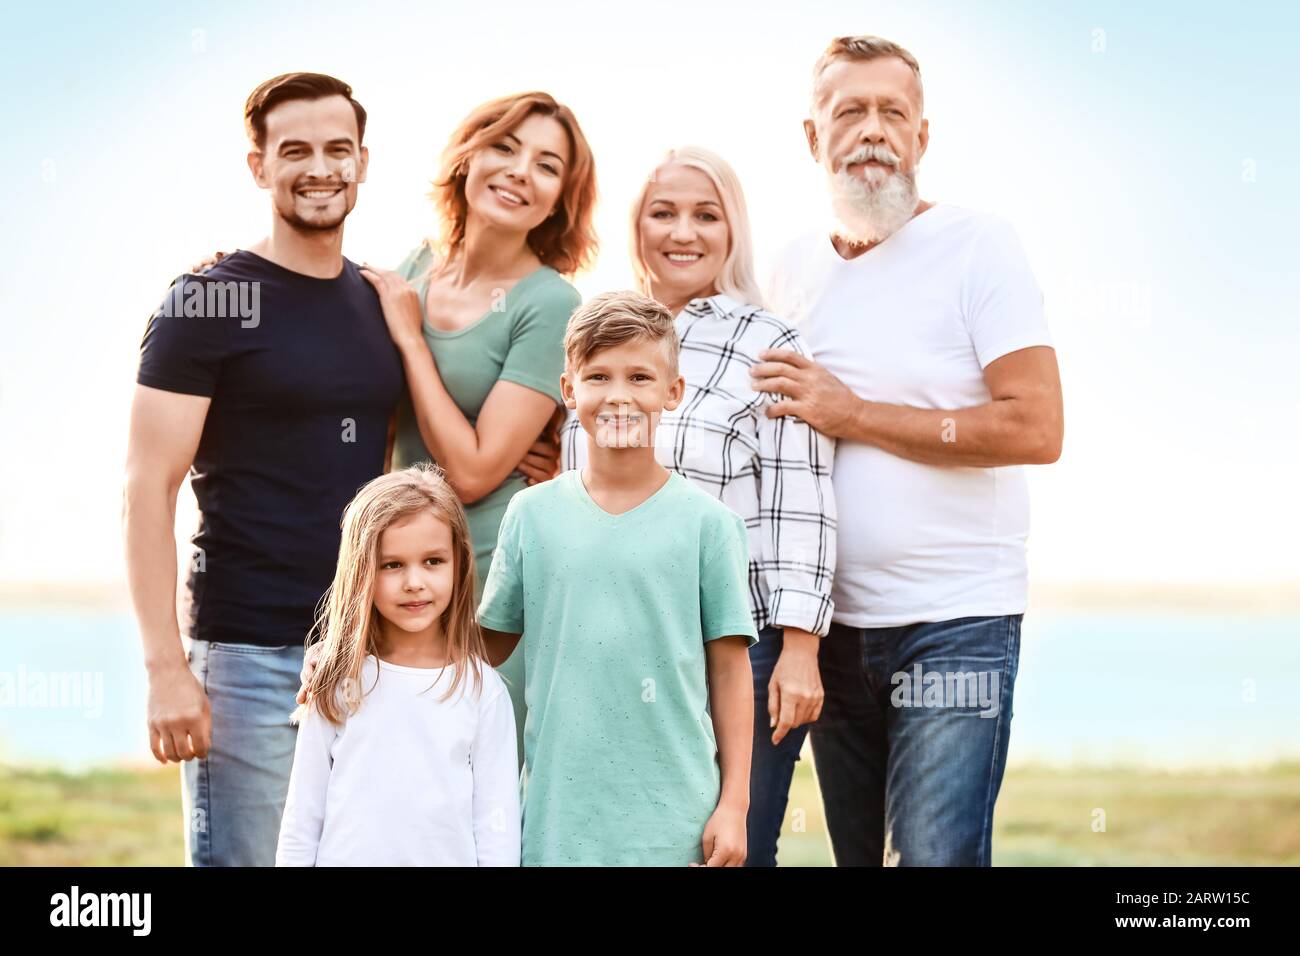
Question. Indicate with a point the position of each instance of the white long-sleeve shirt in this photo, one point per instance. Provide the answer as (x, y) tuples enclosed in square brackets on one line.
[(409, 779)]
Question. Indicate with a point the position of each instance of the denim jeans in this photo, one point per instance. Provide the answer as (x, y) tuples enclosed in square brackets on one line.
[(772, 767), (234, 797), (912, 741)]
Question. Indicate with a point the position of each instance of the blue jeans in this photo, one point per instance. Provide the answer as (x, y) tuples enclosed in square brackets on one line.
[(234, 797), (772, 767), (912, 740)]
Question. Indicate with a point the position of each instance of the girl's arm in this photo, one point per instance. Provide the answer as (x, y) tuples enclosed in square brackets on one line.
[(475, 458), (304, 808), (731, 702), (495, 764)]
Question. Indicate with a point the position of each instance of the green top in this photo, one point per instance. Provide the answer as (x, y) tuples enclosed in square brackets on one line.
[(521, 339), (620, 755)]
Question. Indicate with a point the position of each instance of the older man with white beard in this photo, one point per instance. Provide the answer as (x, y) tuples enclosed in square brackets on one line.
[(933, 368)]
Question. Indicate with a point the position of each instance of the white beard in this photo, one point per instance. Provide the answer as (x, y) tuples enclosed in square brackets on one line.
[(871, 212)]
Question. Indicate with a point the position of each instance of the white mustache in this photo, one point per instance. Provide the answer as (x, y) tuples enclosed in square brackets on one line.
[(869, 152)]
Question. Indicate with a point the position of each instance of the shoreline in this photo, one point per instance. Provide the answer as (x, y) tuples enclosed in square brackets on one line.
[(1274, 597)]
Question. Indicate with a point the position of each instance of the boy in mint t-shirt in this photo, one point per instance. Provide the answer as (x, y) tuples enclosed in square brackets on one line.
[(627, 584)]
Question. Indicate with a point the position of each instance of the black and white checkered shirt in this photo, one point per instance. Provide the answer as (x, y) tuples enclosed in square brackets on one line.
[(773, 472)]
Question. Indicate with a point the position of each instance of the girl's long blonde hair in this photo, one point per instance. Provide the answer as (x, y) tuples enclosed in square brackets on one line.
[(347, 623)]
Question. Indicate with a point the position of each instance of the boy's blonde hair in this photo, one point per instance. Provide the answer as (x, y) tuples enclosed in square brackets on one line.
[(613, 318), (347, 621)]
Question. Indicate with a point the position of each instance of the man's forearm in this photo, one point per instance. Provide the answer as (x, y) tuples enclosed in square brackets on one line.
[(148, 519), (997, 433)]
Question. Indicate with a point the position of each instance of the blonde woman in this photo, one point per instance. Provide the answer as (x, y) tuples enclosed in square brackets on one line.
[(478, 314), (691, 250), (406, 754)]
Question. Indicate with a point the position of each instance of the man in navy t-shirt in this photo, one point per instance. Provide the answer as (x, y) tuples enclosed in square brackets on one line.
[(272, 380)]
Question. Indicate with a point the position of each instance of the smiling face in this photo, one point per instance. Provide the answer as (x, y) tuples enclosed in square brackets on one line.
[(516, 181), (311, 162), (682, 234), (619, 392), (416, 572)]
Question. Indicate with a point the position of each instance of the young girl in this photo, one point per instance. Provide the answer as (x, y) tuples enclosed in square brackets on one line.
[(406, 751)]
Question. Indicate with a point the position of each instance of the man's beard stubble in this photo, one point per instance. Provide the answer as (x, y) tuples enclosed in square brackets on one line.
[(307, 227), (312, 227)]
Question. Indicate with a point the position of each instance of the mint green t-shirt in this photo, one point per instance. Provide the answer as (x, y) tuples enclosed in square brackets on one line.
[(522, 342), (620, 755)]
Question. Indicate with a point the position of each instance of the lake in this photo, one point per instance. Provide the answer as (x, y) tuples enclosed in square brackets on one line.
[(1147, 688)]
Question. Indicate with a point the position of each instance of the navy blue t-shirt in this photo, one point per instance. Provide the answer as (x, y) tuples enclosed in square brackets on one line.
[(303, 378)]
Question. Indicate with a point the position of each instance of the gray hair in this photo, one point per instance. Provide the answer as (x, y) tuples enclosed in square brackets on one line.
[(863, 48)]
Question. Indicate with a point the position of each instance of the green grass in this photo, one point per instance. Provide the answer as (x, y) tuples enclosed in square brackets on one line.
[(1044, 817), (100, 818)]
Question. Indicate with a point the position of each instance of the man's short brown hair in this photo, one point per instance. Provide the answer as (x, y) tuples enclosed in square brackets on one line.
[(294, 86), (613, 318)]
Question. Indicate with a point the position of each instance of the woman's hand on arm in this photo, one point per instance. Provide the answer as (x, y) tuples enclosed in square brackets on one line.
[(401, 305), (475, 458), (542, 462)]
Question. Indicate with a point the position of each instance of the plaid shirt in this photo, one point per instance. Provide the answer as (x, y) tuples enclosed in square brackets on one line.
[(773, 472)]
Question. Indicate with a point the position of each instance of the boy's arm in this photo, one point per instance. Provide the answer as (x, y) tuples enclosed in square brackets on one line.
[(500, 645), (501, 611), (731, 702), (304, 807), (727, 626)]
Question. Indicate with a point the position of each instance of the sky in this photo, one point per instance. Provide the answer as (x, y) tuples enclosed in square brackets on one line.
[(1147, 159)]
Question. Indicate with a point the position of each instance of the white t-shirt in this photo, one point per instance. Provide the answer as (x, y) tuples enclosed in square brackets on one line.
[(914, 321), (409, 779)]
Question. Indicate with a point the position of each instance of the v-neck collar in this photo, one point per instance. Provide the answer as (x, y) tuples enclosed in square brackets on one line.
[(580, 489), (422, 289), (907, 228)]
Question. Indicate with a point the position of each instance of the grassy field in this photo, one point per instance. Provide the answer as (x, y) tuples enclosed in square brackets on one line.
[(1044, 818)]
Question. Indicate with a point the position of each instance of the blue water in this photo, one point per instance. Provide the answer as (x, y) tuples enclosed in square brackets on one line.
[(1169, 689)]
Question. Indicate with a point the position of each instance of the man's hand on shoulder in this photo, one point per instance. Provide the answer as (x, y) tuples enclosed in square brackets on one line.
[(203, 265)]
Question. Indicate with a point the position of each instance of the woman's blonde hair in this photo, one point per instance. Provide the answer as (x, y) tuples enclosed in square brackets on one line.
[(348, 624), (565, 241), (736, 278)]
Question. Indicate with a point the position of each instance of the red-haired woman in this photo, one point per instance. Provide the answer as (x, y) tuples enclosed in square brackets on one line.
[(479, 313)]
